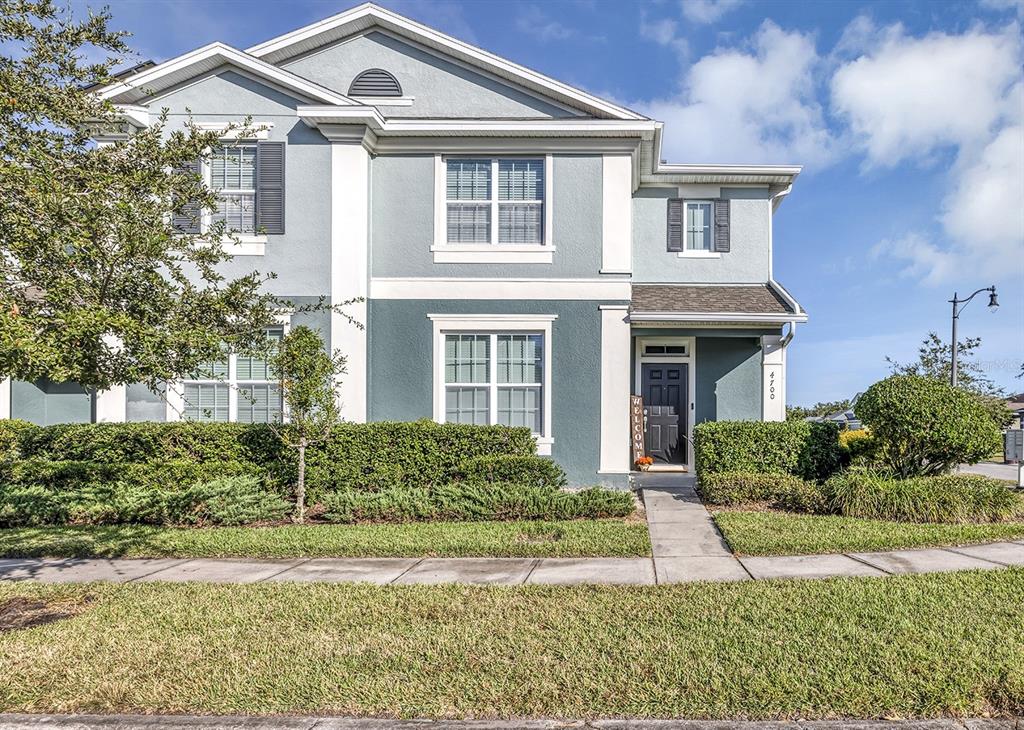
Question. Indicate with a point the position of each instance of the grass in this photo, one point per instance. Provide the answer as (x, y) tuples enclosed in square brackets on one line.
[(782, 533), (577, 538), (924, 645)]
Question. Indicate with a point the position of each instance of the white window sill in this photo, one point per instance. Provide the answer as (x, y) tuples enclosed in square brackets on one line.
[(544, 444), (245, 245), (699, 255), (493, 254)]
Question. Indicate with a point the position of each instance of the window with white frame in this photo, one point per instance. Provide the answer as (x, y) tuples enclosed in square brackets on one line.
[(495, 201), (238, 388), (495, 378), (699, 224), (233, 175)]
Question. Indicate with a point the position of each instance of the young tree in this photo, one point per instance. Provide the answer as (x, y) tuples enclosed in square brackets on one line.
[(96, 285), (308, 376)]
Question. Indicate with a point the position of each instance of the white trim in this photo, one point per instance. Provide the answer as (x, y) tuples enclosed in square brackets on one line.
[(616, 213), (753, 318), (495, 324), (384, 100), (773, 378), (112, 405), (495, 288), (690, 360), (5, 398), (350, 171), (368, 14), (256, 130), (615, 389), (487, 253), (246, 246), (140, 85), (694, 254), (781, 291)]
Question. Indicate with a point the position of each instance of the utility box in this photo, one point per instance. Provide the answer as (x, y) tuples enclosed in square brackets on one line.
[(1013, 446)]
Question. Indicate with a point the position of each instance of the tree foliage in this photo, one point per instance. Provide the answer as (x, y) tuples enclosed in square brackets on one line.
[(923, 426), (798, 413), (308, 377), (934, 361), (96, 286)]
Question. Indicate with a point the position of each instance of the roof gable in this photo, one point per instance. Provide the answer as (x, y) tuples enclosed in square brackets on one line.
[(367, 16)]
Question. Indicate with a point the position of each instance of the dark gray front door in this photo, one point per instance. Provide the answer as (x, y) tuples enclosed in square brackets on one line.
[(665, 399)]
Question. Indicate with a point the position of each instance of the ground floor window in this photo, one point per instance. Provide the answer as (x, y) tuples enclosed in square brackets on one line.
[(234, 388)]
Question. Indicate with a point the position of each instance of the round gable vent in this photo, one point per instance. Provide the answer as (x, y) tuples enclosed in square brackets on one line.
[(375, 82)]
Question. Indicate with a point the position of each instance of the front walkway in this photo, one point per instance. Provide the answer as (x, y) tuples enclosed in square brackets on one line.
[(686, 546)]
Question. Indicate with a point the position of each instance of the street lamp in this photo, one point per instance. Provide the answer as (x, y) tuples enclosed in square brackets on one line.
[(958, 306)]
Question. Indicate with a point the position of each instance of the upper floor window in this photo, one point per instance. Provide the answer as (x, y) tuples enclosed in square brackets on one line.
[(699, 228), (495, 201), (233, 176), (699, 224)]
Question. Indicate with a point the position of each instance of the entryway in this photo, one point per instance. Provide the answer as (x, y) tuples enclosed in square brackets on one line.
[(664, 388)]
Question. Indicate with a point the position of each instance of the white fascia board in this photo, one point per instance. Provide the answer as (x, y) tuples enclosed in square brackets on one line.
[(368, 14), (505, 289), (226, 55), (753, 318)]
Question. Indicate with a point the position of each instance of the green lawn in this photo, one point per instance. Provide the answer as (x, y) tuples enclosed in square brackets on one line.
[(910, 646), (577, 538), (780, 533)]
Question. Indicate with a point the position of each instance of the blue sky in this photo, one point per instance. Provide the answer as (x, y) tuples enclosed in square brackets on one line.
[(908, 118)]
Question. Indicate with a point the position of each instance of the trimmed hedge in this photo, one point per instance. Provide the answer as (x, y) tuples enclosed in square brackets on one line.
[(476, 502), (800, 448), (783, 491), (953, 498), (526, 470), (12, 433)]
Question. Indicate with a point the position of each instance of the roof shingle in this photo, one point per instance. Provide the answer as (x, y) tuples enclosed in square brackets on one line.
[(715, 299)]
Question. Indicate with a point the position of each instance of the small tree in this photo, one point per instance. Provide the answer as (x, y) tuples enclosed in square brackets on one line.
[(923, 426), (934, 361), (308, 376)]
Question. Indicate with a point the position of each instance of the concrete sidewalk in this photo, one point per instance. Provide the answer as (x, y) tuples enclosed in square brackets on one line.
[(186, 722)]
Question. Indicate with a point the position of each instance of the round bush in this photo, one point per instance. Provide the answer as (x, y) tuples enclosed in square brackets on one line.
[(923, 426)]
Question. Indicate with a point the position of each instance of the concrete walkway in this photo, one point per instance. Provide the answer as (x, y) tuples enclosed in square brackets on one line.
[(184, 722)]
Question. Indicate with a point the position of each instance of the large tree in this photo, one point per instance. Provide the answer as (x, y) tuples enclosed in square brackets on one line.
[(934, 361), (96, 285)]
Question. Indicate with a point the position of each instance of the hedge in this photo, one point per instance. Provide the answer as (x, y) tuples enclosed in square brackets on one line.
[(804, 449), (783, 491), (526, 470), (12, 433)]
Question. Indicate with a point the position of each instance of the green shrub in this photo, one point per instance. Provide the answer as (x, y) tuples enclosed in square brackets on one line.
[(858, 446), (236, 500), (784, 491), (925, 426), (473, 501), (954, 498), (533, 471), (803, 449), (12, 432)]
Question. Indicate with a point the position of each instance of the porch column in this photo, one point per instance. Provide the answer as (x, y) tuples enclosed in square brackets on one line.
[(614, 389), (5, 398), (350, 180), (773, 378), (112, 405)]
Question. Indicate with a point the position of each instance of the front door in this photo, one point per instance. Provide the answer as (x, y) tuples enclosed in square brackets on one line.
[(665, 398)]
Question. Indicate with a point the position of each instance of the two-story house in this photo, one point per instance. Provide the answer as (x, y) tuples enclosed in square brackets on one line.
[(525, 256)]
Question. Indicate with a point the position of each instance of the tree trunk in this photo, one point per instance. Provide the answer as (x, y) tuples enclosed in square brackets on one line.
[(300, 487)]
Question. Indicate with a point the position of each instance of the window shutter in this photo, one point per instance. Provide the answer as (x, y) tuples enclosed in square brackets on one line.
[(189, 220), (270, 187), (722, 225), (675, 224)]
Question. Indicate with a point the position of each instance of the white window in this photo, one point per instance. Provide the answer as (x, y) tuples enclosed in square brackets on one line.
[(235, 388), (232, 170), (494, 369), (699, 224), (498, 208)]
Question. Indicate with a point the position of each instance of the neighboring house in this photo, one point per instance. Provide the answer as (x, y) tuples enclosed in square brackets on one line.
[(1016, 404), (846, 419), (524, 256)]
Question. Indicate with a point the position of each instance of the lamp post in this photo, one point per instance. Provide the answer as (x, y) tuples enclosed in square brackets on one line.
[(958, 306)]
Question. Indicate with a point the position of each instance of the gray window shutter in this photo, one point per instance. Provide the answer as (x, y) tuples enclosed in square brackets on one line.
[(675, 224), (270, 187), (722, 225), (189, 220)]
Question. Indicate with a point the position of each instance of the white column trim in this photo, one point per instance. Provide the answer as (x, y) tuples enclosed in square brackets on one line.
[(617, 214), (615, 333), (773, 378), (112, 405), (5, 398), (350, 176)]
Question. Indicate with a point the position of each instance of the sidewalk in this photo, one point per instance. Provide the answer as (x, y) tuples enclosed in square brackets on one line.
[(182, 722)]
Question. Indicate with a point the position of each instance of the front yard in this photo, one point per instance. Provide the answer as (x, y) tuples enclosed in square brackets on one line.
[(525, 539), (910, 646), (764, 532)]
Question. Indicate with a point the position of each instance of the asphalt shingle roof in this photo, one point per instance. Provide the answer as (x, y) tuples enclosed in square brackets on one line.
[(716, 299)]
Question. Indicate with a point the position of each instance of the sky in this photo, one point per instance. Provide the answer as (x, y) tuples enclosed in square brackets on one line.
[(908, 118)]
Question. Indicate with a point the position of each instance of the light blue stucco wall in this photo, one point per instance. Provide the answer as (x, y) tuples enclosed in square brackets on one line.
[(46, 403), (402, 221), (440, 88), (401, 375), (748, 260)]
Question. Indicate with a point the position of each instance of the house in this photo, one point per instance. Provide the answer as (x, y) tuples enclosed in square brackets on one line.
[(524, 255)]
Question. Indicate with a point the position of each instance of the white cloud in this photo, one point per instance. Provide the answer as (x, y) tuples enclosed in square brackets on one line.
[(664, 32), (534, 21), (923, 259), (707, 11), (755, 105)]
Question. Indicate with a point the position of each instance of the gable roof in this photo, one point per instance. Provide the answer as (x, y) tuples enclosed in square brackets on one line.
[(366, 16), (154, 79)]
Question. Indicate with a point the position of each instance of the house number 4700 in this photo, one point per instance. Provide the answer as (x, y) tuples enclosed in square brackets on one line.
[(771, 385)]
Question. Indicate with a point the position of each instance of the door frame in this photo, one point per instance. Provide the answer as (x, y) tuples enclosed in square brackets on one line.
[(689, 359)]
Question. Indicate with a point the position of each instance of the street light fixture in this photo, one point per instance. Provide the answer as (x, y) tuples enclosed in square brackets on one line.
[(958, 306)]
